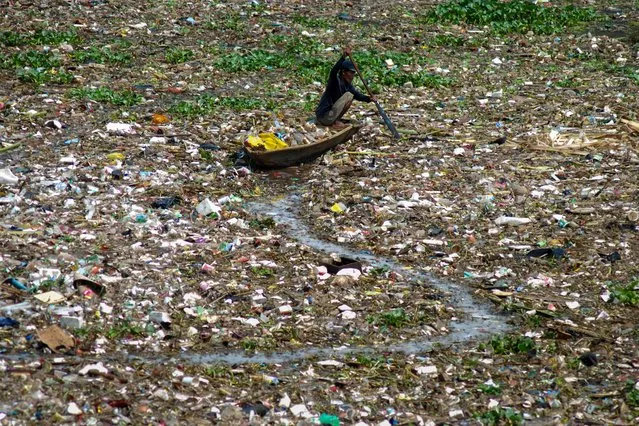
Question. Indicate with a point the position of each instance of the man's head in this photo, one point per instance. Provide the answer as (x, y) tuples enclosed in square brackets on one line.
[(348, 71)]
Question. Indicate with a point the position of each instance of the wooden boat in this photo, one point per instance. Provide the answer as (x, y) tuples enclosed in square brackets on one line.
[(297, 154)]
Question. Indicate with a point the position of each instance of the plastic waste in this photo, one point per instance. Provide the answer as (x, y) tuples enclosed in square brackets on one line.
[(54, 124), (73, 409), (512, 221), (8, 322), (329, 420), (7, 177), (209, 147), (97, 367), (115, 156), (23, 306), (17, 284), (257, 408), (300, 410), (71, 322), (160, 317), (206, 207), (165, 202), (271, 380), (338, 208), (610, 257), (556, 253), (589, 359), (120, 129), (160, 119)]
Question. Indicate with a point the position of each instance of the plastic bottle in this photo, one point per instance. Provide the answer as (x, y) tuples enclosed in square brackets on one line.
[(512, 221), (17, 284)]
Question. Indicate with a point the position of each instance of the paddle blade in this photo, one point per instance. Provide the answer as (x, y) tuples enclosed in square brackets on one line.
[(387, 121)]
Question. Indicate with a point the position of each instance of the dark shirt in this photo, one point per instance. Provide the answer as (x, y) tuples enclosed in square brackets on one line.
[(335, 88)]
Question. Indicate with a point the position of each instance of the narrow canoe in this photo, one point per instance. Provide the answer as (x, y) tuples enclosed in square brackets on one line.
[(299, 153)]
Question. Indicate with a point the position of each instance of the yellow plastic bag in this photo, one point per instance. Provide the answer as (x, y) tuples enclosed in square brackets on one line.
[(160, 119), (265, 141), (338, 208), (116, 156)]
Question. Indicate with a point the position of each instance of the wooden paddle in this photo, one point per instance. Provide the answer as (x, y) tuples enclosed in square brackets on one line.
[(381, 111)]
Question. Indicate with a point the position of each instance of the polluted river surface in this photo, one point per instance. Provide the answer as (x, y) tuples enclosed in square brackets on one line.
[(477, 319)]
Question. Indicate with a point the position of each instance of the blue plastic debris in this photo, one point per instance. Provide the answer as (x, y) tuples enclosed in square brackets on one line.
[(17, 284), (8, 322)]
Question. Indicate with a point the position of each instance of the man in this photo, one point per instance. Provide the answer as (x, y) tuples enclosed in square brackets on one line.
[(339, 93)]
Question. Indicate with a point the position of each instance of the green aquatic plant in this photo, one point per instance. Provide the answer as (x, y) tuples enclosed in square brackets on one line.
[(516, 16)]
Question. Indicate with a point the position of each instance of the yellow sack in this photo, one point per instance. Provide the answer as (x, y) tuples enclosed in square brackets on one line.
[(265, 141)]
